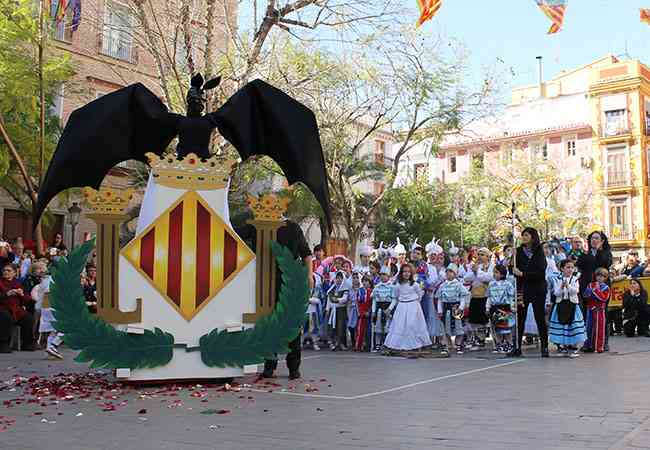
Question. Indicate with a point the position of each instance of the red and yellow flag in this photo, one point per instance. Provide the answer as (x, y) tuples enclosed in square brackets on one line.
[(645, 15), (554, 10), (428, 9), (62, 5)]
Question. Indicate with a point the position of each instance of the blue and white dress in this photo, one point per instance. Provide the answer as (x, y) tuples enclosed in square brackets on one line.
[(567, 329)]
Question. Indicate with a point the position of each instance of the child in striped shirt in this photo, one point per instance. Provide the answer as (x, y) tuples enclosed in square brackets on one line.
[(499, 308)]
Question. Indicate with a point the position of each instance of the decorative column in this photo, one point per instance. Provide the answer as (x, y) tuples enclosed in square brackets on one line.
[(268, 212), (108, 208)]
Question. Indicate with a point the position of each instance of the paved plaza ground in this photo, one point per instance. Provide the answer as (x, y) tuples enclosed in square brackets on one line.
[(347, 401)]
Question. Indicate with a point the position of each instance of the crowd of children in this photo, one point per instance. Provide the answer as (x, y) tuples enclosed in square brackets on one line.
[(430, 299)]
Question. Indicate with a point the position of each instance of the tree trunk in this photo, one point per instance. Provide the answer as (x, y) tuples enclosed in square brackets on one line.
[(38, 235), (353, 238), (324, 232)]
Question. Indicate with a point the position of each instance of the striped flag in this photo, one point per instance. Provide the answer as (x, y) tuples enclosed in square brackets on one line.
[(188, 254), (428, 9), (61, 6), (645, 15), (76, 14), (554, 10)]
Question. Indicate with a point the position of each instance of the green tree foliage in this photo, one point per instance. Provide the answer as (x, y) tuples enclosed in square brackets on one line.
[(540, 191), (19, 102), (419, 210)]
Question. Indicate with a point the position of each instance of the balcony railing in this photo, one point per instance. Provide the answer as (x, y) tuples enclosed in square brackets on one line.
[(382, 159), (616, 179), (620, 233), (614, 129), (117, 48)]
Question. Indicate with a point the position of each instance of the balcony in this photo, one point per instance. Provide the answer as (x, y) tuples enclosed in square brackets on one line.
[(385, 160), (118, 48), (612, 130), (620, 233), (647, 125), (617, 179)]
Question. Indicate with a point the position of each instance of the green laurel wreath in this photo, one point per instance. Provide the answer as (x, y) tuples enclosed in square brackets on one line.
[(103, 345)]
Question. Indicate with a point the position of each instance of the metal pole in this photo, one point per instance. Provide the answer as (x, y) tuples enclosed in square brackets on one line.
[(514, 265)]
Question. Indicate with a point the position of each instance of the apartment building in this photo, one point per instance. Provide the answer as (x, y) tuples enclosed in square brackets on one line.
[(591, 122)]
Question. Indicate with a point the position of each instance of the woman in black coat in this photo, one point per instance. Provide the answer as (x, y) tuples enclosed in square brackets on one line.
[(599, 255), (530, 271), (636, 315)]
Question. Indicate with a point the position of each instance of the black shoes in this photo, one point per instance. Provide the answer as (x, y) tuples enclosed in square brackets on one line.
[(268, 374), (294, 375), (515, 353), (544, 353)]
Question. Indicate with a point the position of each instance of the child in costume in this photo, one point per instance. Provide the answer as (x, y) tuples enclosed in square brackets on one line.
[(364, 302), (436, 277), (353, 307), (312, 324), (452, 298), (567, 326), (500, 308), (408, 329), (337, 298), (40, 293), (422, 278), (382, 296), (478, 276), (596, 297)]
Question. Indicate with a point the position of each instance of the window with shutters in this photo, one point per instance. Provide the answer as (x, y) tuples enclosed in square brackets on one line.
[(117, 37)]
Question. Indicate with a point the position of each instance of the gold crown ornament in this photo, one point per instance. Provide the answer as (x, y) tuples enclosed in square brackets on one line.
[(268, 207), (108, 201), (192, 172)]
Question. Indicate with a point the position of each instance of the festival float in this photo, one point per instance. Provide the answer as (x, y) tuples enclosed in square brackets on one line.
[(186, 298)]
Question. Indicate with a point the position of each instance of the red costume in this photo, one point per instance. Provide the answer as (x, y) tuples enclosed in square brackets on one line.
[(596, 298), (365, 305)]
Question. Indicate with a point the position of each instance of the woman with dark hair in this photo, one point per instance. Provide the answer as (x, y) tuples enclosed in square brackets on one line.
[(636, 311), (598, 255), (530, 271)]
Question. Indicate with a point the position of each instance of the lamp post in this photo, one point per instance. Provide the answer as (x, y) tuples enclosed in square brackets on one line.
[(74, 212)]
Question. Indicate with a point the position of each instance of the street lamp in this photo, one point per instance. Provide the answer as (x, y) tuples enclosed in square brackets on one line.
[(74, 212)]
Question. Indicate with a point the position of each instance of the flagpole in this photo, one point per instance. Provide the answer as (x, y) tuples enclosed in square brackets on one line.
[(514, 266)]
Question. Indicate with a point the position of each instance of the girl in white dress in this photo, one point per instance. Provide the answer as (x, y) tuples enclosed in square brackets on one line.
[(408, 329)]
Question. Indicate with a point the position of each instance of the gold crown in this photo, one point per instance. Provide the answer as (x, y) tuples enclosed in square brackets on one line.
[(268, 207), (108, 201), (192, 172)]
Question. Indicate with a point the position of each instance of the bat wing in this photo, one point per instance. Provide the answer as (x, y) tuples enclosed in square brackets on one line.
[(122, 125), (262, 120)]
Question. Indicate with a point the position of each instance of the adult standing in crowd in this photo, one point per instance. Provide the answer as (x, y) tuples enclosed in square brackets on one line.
[(289, 235), (13, 312), (530, 270), (598, 255)]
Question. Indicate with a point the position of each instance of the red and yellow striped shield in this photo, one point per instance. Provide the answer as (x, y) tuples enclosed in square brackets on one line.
[(188, 254), (645, 15)]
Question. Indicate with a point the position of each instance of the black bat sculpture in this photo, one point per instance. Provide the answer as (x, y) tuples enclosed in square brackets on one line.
[(259, 119)]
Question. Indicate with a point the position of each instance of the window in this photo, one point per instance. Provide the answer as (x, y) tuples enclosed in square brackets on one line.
[(420, 172), (117, 41), (616, 167), (615, 122), (539, 151), (571, 147), (477, 160), (452, 164), (506, 155), (56, 108), (647, 117), (62, 31), (618, 220)]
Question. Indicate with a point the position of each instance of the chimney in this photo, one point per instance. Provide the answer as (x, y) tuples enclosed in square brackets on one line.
[(540, 77)]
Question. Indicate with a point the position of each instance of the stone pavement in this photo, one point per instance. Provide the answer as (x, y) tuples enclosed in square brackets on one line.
[(355, 401)]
